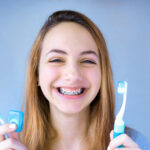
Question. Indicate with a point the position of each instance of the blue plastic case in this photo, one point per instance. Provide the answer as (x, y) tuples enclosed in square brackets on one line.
[(16, 117)]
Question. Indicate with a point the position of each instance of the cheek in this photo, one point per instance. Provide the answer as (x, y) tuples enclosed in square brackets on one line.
[(94, 76), (47, 75)]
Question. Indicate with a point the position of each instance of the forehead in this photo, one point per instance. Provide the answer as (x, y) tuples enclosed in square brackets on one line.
[(68, 36)]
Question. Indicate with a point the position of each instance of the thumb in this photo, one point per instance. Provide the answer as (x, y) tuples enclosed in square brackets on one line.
[(111, 135)]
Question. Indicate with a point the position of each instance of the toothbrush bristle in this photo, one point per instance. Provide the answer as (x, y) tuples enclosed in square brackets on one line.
[(122, 87)]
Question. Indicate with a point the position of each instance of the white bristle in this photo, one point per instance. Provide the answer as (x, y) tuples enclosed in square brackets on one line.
[(122, 87)]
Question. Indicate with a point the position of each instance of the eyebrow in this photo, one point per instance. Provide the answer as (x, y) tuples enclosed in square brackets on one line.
[(63, 52)]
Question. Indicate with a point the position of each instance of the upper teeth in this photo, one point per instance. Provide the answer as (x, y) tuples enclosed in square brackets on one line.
[(68, 92)]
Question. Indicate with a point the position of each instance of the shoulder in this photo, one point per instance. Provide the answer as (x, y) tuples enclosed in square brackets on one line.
[(139, 138)]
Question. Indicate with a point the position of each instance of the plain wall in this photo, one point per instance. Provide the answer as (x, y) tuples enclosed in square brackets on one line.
[(125, 26)]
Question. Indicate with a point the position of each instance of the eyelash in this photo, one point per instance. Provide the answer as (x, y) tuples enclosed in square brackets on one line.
[(56, 60), (89, 61), (59, 61)]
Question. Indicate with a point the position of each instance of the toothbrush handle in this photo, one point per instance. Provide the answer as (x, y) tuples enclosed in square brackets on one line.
[(115, 134), (118, 130)]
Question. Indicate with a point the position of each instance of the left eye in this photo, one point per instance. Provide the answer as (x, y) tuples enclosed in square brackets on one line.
[(56, 61), (88, 61)]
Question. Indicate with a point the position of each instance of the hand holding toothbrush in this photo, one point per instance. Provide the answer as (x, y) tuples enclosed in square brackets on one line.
[(124, 140), (12, 142), (118, 137)]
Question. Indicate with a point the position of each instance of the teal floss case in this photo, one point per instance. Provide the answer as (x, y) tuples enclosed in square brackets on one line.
[(17, 118)]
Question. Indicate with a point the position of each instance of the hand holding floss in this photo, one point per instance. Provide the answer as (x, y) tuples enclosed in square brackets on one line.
[(15, 117)]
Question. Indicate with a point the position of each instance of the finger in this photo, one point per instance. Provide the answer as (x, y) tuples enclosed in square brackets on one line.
[(6, 128), (12, 144), (111, 138), (14, 135), (123, 139), (111, 135)]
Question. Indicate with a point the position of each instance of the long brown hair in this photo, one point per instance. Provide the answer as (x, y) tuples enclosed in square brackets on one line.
[(37, 126)]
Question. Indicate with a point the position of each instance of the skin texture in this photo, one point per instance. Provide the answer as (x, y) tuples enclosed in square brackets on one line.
[(72, 69)]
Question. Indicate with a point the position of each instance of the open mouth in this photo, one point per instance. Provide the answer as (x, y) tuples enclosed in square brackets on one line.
[(74, 92)]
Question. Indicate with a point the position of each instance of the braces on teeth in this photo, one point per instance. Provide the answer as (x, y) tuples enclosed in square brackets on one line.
[(61, 90)]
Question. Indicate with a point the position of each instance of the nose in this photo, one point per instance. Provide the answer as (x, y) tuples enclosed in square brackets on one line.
[(72, 74)]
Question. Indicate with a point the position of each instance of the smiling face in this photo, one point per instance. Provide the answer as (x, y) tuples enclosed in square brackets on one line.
[(69, 68)]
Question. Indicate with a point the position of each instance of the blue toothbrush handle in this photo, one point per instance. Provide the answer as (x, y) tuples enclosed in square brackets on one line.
[(118, 130), (115, 134)]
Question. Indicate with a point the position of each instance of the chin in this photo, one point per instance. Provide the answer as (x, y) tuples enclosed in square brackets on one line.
[(72, 110)]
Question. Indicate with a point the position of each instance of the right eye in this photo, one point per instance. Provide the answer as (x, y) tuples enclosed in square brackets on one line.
[(55, 61)]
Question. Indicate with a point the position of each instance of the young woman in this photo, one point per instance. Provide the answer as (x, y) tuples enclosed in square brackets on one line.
[(69, 100)]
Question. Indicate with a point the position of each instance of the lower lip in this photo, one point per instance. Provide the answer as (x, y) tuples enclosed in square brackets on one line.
[(71, 97)]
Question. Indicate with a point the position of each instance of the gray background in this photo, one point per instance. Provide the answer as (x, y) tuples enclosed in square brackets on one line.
[(126, 28)]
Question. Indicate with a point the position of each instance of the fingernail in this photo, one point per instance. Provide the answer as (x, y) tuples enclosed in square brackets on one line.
[(108, 148), (12, 126)]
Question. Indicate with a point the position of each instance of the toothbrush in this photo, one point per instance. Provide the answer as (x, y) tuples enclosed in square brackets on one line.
[(119, 125), (1, 123)]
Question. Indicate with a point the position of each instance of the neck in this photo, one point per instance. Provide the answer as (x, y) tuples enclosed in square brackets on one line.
[(72, 129)]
